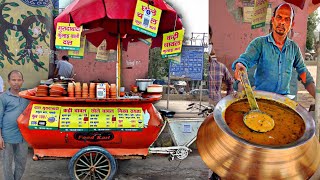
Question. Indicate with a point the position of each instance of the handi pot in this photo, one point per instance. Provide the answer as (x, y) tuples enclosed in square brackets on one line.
[(232, 157)]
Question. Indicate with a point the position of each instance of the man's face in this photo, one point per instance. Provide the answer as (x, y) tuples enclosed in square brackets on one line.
[(282, 22), (15, 81)]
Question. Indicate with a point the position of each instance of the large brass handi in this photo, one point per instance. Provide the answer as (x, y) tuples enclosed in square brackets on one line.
[(234, 158)]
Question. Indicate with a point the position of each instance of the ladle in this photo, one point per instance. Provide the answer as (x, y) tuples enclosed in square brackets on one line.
[(255, 119)]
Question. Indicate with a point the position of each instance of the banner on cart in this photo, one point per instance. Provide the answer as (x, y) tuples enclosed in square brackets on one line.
[(74, 119), (101, 119), (84, 119), (120, 118), (44, 117)]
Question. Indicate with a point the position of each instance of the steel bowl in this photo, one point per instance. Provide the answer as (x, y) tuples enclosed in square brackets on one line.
[(232, 157)]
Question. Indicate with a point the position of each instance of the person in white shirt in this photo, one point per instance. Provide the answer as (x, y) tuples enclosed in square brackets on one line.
[(64, 68)]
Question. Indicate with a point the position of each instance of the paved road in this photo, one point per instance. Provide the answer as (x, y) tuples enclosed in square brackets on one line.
[(154, 167)]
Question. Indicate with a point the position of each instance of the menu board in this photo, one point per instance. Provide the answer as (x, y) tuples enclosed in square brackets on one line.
[(102, 118), (51, 117), (74, 119), (191, 64), (121, 119), (129, 118), (44, 117)]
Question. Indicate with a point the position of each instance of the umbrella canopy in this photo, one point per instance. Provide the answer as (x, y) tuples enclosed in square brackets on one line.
[(109, 18), (301, 3)]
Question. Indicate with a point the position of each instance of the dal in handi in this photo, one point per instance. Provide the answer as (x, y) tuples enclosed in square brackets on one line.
[(288, 128)]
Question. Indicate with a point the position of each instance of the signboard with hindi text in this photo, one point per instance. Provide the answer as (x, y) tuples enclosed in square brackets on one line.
[(191, 64), (68, 36), (44, 117), (85, 119), (259, 13), (78, 54), (172, 43), (146, 18), (248, 11), (74, 119)]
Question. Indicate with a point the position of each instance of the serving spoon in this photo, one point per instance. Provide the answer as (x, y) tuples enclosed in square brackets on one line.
[(255, 119)]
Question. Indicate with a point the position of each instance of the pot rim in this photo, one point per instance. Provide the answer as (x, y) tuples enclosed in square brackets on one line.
[(222, 105), (145, 80)]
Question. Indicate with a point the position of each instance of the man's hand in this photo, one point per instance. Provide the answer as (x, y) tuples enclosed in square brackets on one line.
[(1, 143), (239, 67)]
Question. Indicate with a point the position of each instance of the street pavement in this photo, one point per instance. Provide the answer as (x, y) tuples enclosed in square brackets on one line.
[(154, 167)]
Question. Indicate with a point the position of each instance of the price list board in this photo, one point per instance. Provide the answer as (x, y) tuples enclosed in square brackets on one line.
[(102, 119), (130, 119), (191, 64), (74, 119), (44, 117)]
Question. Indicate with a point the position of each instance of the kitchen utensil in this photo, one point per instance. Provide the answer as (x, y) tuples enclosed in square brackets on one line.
[(254, 119)]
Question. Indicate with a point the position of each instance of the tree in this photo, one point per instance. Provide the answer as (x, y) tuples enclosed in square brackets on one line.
[(311, 26), (158, 67)]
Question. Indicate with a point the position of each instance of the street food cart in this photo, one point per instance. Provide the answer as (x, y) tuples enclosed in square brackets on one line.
[(95, 132)]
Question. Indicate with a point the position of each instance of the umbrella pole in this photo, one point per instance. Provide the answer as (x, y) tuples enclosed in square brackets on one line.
[(118, 66)]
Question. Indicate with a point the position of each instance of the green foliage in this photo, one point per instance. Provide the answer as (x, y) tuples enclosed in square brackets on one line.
[(311, 26), (158, 67)]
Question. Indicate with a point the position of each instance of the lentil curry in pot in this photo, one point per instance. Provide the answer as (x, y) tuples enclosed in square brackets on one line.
[(288, 128)]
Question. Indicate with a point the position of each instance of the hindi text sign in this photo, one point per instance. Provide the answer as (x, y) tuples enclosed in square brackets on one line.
[(45, 117), (74, 119), (78, 54), (172, 43), (146, 19), (259, 13), (68, 36)]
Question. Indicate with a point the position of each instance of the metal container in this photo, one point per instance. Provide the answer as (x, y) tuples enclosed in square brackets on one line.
[(232, 157), (144, 83)]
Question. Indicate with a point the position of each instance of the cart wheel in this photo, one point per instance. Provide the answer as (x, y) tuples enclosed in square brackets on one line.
[(92, 162)]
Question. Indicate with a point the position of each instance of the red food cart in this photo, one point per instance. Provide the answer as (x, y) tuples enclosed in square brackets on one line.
[(94, 132)]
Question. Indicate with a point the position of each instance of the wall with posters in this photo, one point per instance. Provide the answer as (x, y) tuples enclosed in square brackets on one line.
[(231, 35), (134, 65), (26, 43)]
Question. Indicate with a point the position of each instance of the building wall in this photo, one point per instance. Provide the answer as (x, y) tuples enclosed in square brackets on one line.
[(25, 39)]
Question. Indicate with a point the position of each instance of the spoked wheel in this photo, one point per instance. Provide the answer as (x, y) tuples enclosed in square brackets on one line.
[(92, 163)]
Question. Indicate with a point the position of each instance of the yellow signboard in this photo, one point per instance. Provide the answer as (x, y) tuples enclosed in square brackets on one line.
[(74, 119), (248, 11), (129, 117), (121, 118), (259, 13), (172, 43), (78, 54), (146, 19), (68, 36), (51, 117), (102, 118), (44, 117)]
